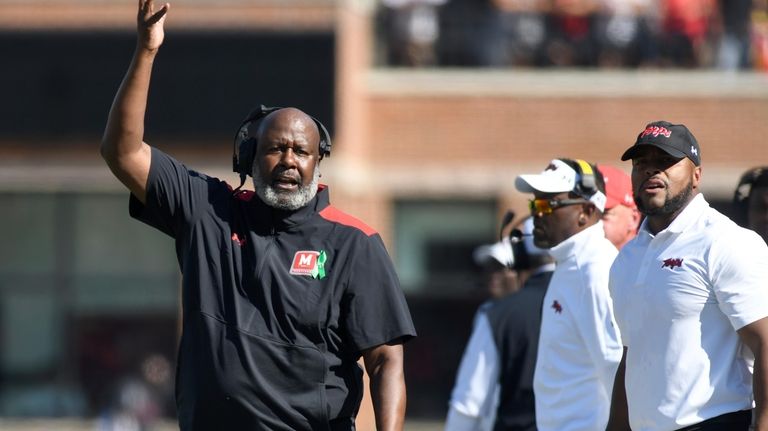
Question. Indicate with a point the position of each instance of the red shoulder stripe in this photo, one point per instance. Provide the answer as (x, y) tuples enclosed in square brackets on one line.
[(244, 195), (332, 214)]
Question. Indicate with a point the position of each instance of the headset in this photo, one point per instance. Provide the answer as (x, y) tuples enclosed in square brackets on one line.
[(244, 148), (747, 182), (587, 184)]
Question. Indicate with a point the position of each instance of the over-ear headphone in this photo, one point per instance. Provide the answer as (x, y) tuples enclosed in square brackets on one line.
[(747, 182), (244, 149), (588, 183)]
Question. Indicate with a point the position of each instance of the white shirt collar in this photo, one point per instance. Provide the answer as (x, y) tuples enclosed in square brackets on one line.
[(573, 245), (687, 216)]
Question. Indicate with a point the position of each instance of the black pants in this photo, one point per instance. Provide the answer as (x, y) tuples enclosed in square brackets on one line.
[(736, 421)]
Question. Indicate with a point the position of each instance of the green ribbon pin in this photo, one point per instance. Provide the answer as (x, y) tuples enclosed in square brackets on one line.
[(319, 270)]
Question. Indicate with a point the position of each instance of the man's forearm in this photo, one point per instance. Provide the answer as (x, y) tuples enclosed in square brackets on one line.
[(755, 336), (388, 397), (759, 385), (384, 365), (619, 415)]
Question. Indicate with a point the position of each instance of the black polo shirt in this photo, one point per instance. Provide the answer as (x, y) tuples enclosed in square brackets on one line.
[(278, 305), (515, 321)]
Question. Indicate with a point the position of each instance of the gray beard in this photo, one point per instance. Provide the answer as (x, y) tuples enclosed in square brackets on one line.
[(290, 201), (671, 205)]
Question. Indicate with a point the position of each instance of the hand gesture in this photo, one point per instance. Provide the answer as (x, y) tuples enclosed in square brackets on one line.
[(150, 25)]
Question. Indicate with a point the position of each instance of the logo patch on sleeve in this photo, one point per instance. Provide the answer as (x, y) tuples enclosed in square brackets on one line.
[(309, 262)]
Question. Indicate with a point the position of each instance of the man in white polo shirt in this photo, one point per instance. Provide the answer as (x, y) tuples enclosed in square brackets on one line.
[(579, 344), (691, 296)]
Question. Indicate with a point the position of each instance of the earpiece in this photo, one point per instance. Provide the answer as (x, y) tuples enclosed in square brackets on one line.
[(244, 149), (587, 185)]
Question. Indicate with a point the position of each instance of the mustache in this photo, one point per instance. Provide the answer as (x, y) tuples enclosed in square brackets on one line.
[(655, 179), (286, 174)]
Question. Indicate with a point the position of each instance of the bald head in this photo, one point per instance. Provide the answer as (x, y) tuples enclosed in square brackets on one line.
[(292, 119)]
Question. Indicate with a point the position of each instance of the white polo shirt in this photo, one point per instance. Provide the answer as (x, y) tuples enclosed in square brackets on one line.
[(579, 344), (679, 298)]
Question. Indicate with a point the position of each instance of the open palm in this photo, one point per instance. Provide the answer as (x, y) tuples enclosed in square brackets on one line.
[(150, 24)]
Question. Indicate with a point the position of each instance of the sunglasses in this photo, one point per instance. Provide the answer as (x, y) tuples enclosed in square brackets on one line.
[(546, 206)]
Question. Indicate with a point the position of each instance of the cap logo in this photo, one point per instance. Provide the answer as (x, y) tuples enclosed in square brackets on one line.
[(694, 150), (551, 167), (655, 131)]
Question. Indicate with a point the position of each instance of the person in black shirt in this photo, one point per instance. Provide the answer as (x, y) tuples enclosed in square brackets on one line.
[(494, 384), (282, 292)]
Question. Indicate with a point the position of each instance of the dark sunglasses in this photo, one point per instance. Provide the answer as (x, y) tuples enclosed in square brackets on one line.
[(546, 206)]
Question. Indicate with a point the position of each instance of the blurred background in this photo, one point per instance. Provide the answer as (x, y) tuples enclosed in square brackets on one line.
[(434, 106)]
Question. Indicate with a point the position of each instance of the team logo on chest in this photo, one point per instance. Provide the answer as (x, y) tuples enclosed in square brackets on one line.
[(671, 263), (309, 262), (557, 307)]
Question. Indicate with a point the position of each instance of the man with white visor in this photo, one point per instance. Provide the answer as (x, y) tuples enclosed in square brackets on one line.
[(579, 344)]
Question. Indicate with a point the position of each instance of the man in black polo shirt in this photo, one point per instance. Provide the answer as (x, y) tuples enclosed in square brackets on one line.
[(282, 292)]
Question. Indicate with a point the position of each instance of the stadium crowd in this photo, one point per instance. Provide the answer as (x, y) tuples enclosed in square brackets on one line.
[(723, 34)]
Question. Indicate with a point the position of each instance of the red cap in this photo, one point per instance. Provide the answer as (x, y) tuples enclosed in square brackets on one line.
[(618, 187)]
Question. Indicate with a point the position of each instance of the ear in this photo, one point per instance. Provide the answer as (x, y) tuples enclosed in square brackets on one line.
[(696, 177), (588, 212)]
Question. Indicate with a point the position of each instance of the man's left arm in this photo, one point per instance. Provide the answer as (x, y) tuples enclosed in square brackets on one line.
[(738, 273), (755, 336), (384, 365)]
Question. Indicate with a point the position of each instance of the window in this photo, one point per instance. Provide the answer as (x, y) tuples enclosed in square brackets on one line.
[(69, 261), (434, 242)]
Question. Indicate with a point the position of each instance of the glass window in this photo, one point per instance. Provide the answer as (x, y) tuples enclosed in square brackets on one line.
[(68, 258), (27, 235), (30, 330), (434, 241)]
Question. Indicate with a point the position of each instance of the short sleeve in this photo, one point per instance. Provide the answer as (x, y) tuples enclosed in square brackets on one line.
[(174, 194), (376, 310), (739, 276)]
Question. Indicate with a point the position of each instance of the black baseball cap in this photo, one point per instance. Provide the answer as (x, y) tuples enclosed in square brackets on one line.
[(675, 139)]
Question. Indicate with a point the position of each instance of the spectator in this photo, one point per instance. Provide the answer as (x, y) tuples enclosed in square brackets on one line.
[(685, 29), (411, 30), (735, 20), (624, 33), (571, 33), (518, 32)]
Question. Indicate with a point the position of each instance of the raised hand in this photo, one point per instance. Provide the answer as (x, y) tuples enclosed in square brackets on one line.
[(150, 25)]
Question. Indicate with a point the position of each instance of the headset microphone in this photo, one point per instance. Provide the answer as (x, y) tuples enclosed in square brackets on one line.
[(516, 236), (505, 221)]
